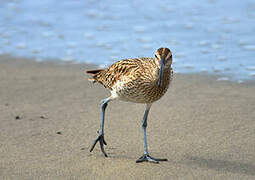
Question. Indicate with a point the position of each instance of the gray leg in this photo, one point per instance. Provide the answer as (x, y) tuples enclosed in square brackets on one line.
[(146, 156), (100, 138), (144, 125)]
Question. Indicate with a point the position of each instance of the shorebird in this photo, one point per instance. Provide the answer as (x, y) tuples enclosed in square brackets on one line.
[(138, 80)]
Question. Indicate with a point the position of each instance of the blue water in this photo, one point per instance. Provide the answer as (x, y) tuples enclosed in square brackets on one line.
[(213, 36)]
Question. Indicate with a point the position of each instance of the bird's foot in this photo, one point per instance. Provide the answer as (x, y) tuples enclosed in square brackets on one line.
[(148, 158), (102, 142)]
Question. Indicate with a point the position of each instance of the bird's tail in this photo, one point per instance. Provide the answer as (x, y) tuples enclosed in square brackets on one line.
[(95, 73)]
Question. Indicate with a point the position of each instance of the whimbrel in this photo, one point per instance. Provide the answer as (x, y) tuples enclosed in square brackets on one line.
[(138, 80)]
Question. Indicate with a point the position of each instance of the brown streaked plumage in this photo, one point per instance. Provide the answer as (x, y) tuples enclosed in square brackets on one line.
[(139, 80)]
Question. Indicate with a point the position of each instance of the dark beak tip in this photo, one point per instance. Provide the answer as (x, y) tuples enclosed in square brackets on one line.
[(160, 73)]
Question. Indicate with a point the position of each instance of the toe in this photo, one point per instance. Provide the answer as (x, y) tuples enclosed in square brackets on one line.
[(148, 158)]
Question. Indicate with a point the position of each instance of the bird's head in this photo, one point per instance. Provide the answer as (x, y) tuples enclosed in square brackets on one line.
[(164, 56)]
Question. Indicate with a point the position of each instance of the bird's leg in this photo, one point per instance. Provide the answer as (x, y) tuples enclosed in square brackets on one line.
[(146, 157), (100, 138)]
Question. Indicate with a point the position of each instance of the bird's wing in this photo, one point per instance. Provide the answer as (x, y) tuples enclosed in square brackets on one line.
[(128, 69)]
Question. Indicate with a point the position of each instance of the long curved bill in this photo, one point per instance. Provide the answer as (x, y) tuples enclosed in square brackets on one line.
[(160, 72)]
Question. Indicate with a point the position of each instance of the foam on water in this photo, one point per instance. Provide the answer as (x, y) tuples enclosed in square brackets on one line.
[(204, 36)]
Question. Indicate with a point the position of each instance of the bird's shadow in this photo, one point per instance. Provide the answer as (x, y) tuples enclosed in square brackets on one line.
[(221, 165)]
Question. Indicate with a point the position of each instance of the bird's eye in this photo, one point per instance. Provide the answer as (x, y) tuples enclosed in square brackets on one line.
[(155, 56), (171, 56)]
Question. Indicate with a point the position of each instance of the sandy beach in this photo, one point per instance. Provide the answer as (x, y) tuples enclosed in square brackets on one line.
[(50, 117)]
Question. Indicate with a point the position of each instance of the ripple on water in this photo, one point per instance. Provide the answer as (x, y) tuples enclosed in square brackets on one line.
[(47, 34), (173, 42), (6, 42), (11, 6), (67, 58), (221, 58), (203, 70), (144, 39), (252, 74), (88, 35), (226, 30), (169, 24), (216, 46), (102, 27), (36, 51), (104, 45), (227, 69), (139, 29), (211, 30), (123, 48), (242, 42), (5, 35), (188, 25), (38, 59), (61, 36), (230, 20), (107, 46), (71, 44), (250, 68), (115, 53), (249, 47), (69, 52), (167, 9), (188, 66), (204, 51), (100, 44), (223, 79), (147, 46), (195, 19), (21, 45), (179, 55), (92, 13), (216, 70), (203, 43)]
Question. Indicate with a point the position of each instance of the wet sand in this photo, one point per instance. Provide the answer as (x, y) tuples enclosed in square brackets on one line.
[(50, 117)]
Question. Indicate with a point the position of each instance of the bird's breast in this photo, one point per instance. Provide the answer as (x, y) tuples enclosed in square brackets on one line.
[(141, 89)]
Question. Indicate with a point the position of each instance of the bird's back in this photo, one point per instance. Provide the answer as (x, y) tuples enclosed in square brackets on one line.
[(134, 80)]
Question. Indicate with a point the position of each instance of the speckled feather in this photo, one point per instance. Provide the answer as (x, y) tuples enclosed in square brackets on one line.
[(134, 80)]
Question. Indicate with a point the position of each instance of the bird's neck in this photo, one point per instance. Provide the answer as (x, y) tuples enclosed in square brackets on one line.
[(165, 77)]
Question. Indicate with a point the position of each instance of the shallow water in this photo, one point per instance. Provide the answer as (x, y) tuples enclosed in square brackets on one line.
[(211, 36)]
